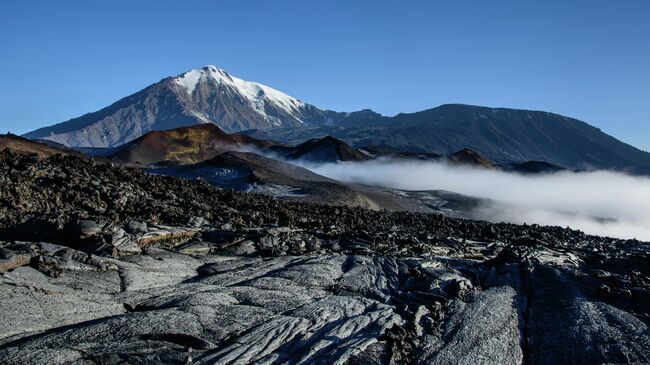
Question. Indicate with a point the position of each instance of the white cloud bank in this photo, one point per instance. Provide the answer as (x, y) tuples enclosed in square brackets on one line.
[(601, 203)]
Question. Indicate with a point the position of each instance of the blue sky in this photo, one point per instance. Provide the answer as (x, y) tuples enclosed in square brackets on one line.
[(584, 59)]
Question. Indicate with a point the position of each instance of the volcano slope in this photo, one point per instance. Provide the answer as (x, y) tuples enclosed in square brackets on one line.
[(239, 162), (25, 146), (250, 172), (105, 265)]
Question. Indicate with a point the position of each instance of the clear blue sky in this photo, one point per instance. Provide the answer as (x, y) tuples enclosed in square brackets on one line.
[(588, 59)]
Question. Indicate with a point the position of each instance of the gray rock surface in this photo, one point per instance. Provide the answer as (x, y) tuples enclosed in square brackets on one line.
[(328, 308), (186, 273)]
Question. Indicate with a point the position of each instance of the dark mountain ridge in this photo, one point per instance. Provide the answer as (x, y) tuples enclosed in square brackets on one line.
[(326, 149), (503, 136)]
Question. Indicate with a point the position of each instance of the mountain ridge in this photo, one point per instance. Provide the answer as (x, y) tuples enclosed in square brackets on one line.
[(211, 95), (502, 135)]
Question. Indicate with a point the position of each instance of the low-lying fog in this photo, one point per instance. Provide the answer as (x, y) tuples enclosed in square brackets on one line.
[(601, 203)]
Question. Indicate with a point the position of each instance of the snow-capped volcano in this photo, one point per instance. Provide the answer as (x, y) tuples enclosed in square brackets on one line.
[(203, 95), (213, 95)]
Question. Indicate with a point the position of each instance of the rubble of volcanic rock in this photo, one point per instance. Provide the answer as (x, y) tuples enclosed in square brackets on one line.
[(105, 264)]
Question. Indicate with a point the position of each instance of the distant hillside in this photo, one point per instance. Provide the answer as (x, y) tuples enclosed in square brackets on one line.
[(535, 167), (503, 136), (28, 147), (326, 149), (177, 146), (469, 157)]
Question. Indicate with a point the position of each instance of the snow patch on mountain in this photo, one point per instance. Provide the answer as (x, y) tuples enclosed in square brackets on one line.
[(189, 80)]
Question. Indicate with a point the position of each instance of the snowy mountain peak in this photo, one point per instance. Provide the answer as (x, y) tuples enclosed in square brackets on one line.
[(216, 72), (203, 95), (256, 94), (212, 68)]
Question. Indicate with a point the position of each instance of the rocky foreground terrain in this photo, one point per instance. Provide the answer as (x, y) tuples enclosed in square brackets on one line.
[(106, 264)]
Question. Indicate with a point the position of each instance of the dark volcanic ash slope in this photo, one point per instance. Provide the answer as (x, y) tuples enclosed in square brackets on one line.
[(104, 264), (326, 149), (469, 157), (534, 167), (252, 172)]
